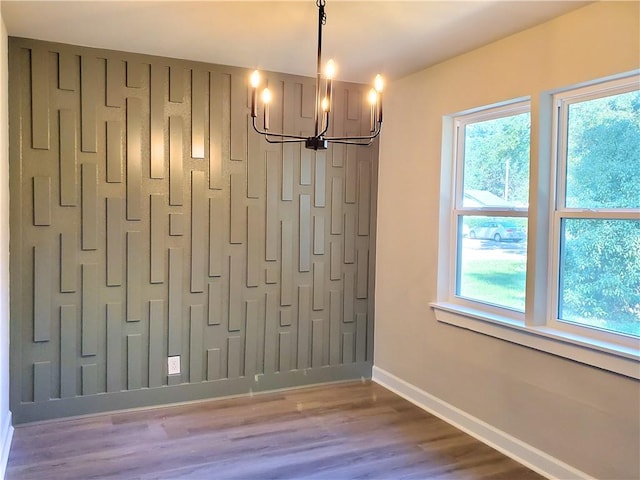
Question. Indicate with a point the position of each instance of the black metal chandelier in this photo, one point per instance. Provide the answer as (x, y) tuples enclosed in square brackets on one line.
[(322, 105)]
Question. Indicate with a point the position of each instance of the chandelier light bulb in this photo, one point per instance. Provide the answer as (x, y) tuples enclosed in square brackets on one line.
[(255, 79), (330, 69), (325, 104), (266, 96), (378, 83), (373, 97)]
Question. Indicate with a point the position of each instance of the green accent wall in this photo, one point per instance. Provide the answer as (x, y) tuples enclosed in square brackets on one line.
[(148, 220)]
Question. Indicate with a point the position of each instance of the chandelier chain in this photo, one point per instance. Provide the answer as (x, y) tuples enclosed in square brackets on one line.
[(323, 16)]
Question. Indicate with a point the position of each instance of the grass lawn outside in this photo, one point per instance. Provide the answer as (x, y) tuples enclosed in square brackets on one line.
[(493, 276)]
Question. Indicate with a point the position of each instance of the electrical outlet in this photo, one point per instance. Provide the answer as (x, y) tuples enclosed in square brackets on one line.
[(173, 365)]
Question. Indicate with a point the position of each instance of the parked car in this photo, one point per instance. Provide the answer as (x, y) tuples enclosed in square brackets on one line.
[(498, 231)]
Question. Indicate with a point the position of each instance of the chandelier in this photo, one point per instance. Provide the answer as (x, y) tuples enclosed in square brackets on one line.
[(322, 105)]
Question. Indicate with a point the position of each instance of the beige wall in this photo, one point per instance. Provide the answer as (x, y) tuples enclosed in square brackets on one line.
[(583, 416), (5, 418)]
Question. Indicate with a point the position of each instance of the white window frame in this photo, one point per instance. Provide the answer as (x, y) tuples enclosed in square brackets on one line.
[(538, 328), (459, 210), (559, 212)]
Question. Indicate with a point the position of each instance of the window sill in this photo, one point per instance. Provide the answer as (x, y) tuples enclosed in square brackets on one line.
[(617, 359)]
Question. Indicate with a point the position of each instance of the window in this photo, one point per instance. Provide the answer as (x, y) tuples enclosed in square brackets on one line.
[(596, 220), (490, 212), (561, 274)]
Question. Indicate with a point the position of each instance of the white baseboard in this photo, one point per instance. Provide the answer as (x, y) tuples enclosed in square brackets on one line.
[(521, 452), (6, 435)]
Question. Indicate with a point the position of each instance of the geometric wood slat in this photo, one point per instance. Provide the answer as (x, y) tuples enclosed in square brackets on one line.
[(153, 222)]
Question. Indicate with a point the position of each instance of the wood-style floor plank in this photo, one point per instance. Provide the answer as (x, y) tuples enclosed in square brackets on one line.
[(348, 430)]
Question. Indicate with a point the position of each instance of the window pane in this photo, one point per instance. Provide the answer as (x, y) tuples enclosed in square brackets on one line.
[(492, 260), (603, 152), (600, 274), (496, 162)]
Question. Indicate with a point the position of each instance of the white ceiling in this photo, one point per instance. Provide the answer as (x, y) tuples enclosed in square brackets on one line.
[(363, 37)]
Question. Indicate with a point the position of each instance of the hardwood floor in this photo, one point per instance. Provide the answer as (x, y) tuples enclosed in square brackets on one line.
[(349, 430)]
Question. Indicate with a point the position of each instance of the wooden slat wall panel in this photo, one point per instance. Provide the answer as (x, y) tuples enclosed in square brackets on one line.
[(68, 158), (347, 347), (134, 277), (176, 84), (350, 174), (89, 207), (251, 340), (68, 355), (284, 345), (41, 381), (213, 364), (318, 235), (158, 91), (336, 261), (134, 159), (116, 75), (219, 129), (235, 294), (317, 342), (348, 296), (349, 237), (237, 231), (176, 174), (134, 362), (336, 205), (361, 336), (67, 68), (364, 203), (234, 347), (68, 263), (196, 344), (270, 332), (318, 285), (115, 239), (114, 152), (198, 231), (304, 325), (239, 113), (134, 74), (157, 225), (215, 237), (255, 245), (305, 233), (286, 273), (320, 187), (175, 301), (114, 347), (89, 379), (272, 223), (335, 308), (40, 99), (89, 83), (215, 303), (156, 344), (199, 95), (362, 273), (89, 310), (42, 201), (153, 206), (42, 315)]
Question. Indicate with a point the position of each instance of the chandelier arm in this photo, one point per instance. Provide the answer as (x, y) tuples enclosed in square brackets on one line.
[(326, 127), (275, 134), (346, 142), (284, 140), (362, 137)]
